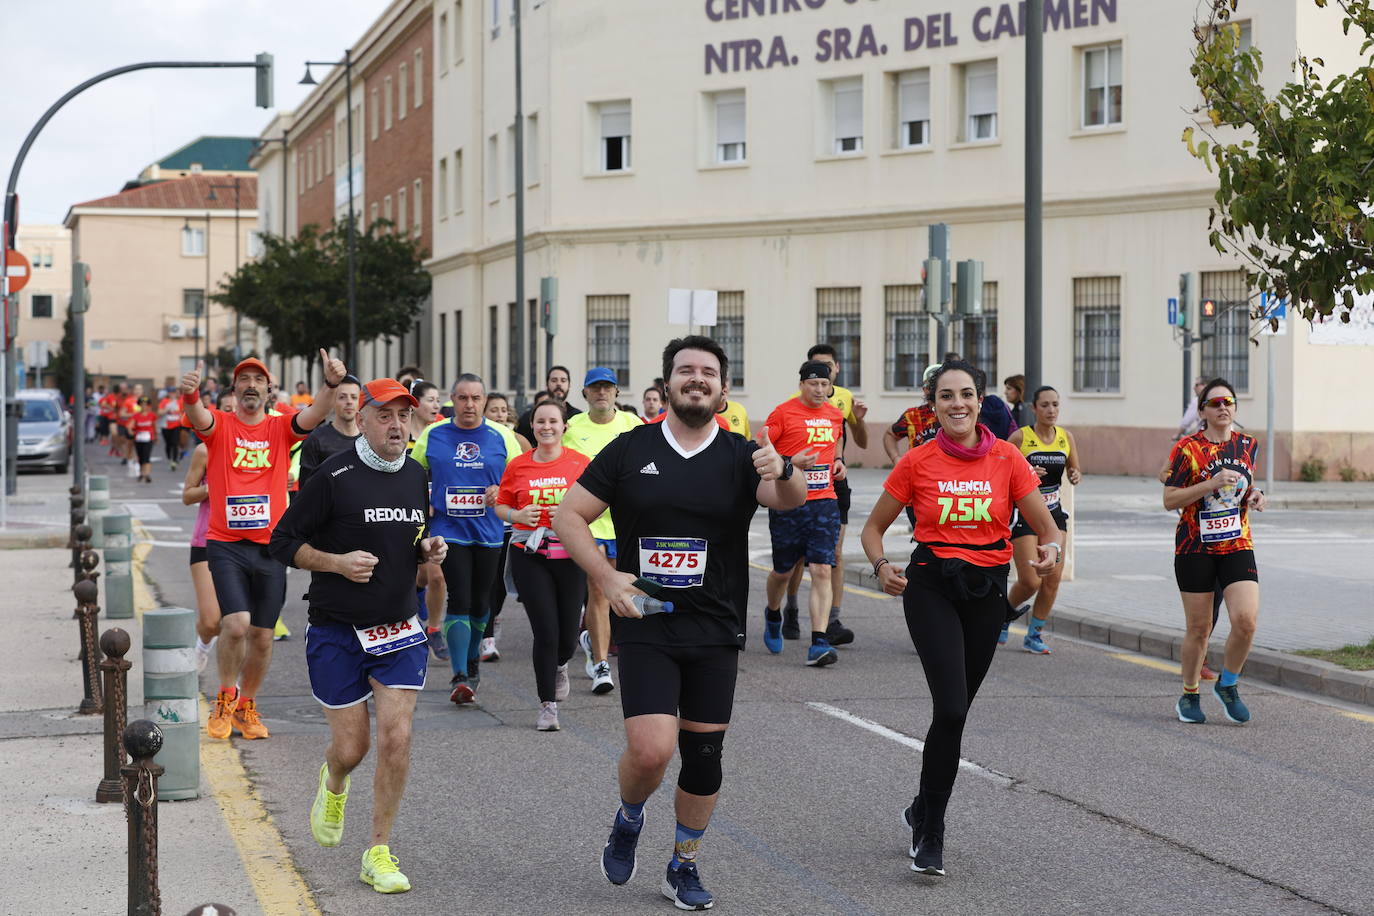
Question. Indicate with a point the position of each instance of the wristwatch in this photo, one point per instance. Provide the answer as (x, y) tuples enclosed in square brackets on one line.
[(786, 469)]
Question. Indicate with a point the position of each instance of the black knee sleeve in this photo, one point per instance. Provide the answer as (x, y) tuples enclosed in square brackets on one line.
[(700, 773)]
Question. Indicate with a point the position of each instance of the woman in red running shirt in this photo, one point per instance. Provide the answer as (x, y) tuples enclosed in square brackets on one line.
[(962, 486), (144, 427)]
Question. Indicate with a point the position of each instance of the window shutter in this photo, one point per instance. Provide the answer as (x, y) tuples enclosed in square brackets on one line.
[(849, 108), (730, 117), (615, 120), (914, 95), (981, 96)]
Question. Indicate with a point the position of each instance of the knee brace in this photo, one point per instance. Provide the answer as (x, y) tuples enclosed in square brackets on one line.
[(700, 773)]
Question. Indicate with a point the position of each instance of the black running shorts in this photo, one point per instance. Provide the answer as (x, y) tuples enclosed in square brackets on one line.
[(1021, 528), (1207, 572), (696, 683), (247, 579)]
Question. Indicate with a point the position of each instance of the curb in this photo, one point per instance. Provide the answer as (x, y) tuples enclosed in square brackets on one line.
[(1268, 665), (29, 540)]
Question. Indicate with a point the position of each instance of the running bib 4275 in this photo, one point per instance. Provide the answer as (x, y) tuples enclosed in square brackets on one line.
[(1217, 525), (243, 513), (673, 562), (386, 638), (818, 478), (466, 502)]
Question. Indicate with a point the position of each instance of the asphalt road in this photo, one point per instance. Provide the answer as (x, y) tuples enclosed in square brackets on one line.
[(1087, 795)]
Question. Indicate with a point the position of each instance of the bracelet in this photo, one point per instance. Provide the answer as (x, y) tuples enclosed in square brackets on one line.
[(329, 384), (881, 561)]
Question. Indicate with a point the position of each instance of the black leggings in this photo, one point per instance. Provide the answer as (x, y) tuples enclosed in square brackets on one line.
[(144, 451), (551, 591), (171, 442), (498, 586), (956, 639), (468, 571)]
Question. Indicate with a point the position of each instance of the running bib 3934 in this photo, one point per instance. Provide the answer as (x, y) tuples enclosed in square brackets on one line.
[(1216, 525), (386, 638), (242, 513), (818, 478), (466, 502), (673, 562)]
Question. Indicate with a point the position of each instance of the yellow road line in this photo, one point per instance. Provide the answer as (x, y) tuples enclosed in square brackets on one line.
[(1358, 715), (280, 889), (1157, 663), (143, 595), (857, 590)]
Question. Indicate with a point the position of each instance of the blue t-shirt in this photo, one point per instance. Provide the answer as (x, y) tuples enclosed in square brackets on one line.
[(462, 463)]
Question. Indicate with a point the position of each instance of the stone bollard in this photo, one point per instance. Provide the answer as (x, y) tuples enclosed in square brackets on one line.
[(119, 566), (171, 689), (115, 670), (97, 505), (142, 739), (86, 610)]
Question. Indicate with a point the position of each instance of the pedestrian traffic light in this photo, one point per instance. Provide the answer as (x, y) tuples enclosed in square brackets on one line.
[(81, 286), (548, 305), (264, 80), (1208, 311)]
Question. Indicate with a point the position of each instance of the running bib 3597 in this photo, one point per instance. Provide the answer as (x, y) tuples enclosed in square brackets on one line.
[(243, 513), (673, 562), (386, 638), (1216, 525), (466, 502), (818, 478)]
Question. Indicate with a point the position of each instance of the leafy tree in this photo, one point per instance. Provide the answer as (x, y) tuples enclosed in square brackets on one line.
[(298, 289), (62, 363), (1294, 169)]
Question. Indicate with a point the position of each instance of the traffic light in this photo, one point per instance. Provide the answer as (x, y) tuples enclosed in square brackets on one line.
[(969, 297), (1208, 312), (81, 286), (1185, 298), (548, 305), (263, 72)]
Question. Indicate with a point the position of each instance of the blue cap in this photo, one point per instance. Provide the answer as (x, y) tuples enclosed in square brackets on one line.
[(599, 374)]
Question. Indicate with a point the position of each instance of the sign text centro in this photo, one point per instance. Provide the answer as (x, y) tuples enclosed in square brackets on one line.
[(936, 30)]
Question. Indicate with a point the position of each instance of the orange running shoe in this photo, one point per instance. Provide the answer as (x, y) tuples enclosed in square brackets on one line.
[(219, 724), (1207, 673), (248, 722)]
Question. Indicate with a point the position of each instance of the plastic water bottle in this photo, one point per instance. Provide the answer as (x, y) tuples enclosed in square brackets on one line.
[(646, 605)]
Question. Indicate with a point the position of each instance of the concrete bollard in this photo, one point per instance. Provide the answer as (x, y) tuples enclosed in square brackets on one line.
[(97, 506), (171, 690), (119, 566)]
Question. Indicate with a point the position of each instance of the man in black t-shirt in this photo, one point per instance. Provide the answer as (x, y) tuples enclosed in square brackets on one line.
[(338, 435), (359, 526), (558, 383), (681, 494)]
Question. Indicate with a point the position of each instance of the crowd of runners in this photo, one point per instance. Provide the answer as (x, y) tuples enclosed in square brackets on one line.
[(421, 507)]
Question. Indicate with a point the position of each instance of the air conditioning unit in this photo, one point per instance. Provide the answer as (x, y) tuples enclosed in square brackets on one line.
[(177, 329)]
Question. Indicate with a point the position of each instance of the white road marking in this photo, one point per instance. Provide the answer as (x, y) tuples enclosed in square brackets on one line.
[(162, 528), (180, 545), (906, 740), (146, 511)]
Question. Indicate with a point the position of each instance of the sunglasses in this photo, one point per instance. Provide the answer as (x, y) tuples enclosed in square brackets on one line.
[(1219, 402)]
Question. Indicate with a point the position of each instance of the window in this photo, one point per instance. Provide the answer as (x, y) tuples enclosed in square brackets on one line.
[(980, 101), (458, 181), (495, 18), (614, 118), (913, 109), (532, 354), (401, 93), (510, 159), (1226, 353), (253, 243), (907, 331), (729, 333), (310, 166), (513, 341), (1102, 86), (328, 152), (401, 209), (192, 301), (300, 174), (340, 135), (193, 242), (492, 351), (373, 220), (493, 171), (443, 350), (532, 162), (375, 112), (1246, 39), (847, 98), (458, 32), (441, 190), (358, 127), (40, 306), (975, 337), (730, 127), (838, 324), (386, 208), (608, 335), (417, 207), (419, 94), (1097, 334), (443, 55), (47, 257), (386, 103)]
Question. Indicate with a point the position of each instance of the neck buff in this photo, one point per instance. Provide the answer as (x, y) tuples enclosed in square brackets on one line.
[(954, 449), (375, 461)]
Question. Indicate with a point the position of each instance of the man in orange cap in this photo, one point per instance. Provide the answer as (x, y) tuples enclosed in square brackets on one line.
[(246, 474)]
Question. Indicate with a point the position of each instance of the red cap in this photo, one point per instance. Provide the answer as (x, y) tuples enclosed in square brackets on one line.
[(386, 390), (251, 363)]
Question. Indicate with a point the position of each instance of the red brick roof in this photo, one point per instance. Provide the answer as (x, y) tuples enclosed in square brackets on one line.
[(188, 193)]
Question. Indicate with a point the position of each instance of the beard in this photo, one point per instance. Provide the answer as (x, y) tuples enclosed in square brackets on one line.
[(693, 415)]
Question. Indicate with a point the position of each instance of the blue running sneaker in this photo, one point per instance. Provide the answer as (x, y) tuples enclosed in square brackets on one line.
[(930, 855), (618, 857), (438, 644), (1236, 711), (772, 635), (1034, 643), (1189, 709), (821, 654), (682, 885), (1002, 637)]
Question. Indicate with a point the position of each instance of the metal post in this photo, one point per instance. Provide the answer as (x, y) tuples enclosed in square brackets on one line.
[(1269, 415), (78, 394), (352, 231), (1188, 365), (522, 331), (1035, 68), (205, 296), (86, 593), (938, 249), (143, 740), (115, 644)]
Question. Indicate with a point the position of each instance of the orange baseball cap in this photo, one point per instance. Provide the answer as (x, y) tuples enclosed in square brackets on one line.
[(252, 363), (386, 390)]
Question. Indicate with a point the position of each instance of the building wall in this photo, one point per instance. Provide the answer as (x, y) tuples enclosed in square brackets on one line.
[(49, 250), (314, 162), (401, 153)]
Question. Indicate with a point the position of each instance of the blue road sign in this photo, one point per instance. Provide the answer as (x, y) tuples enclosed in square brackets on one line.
[(1173, 311)]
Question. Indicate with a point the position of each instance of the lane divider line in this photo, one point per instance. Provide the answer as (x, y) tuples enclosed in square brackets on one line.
[(280, 888), (1158, 664), (1362, 717), (968, 766), (143, 595)]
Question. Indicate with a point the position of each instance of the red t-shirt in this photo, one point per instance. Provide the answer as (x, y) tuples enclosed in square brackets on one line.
[(1218, 523), (108, 405), (170, 410), (794, 427), (960, 501), (246, 473), (542, 483), (720, 421), (144, 425), (127, 408), (918, 424)]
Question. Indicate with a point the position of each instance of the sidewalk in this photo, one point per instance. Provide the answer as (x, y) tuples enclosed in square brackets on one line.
[(39, 513)]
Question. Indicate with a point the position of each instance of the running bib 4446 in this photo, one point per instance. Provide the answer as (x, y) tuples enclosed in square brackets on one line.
[(818, 478), (466, 502), (386, 638), (242, 513), (1217, 525), (673, 562)]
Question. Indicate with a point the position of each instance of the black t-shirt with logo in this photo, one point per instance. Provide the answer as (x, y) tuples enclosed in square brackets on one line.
[(324, 440), (682, 522), (347, 506)]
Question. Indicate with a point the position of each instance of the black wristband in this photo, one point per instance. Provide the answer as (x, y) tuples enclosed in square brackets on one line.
[(334, 385)]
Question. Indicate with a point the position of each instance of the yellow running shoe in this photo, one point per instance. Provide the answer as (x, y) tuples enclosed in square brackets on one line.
[(280, 632), (380, 871), (327, 814), (220, 724), (248, 722)]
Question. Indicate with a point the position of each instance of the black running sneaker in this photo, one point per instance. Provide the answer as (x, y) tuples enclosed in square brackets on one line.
[(790, 628), (913, 827), (930, 855), (837, 634)]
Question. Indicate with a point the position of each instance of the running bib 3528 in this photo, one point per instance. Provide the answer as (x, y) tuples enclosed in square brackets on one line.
[(242, 513), (386, 638), (673, 562), (818, 478), (1218, 525), (466, 502)]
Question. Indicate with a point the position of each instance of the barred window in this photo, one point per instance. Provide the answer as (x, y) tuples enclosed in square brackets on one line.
[(1226, 354), (975, 338), (838, 323), (608, 335), (513, 342), (1097, 334), (908, 337), (729, 333)]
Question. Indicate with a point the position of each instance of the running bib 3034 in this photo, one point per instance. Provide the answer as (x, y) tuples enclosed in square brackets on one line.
[(1217, 525), (386, 638), (1051, 498), (673, 562), (466, 502), (818, 478), (242, 513)]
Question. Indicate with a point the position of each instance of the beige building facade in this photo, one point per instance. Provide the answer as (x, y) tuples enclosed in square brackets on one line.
[(43, 301)]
